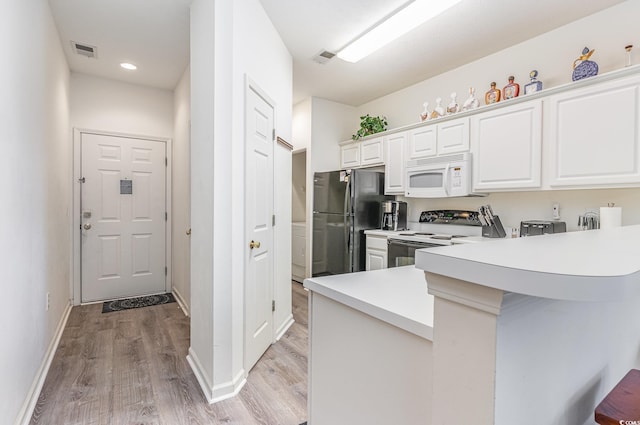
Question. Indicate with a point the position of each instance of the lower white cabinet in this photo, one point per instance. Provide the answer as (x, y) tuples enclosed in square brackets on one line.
[(394, 165), (376, 252), (506, 147), (298, 251)]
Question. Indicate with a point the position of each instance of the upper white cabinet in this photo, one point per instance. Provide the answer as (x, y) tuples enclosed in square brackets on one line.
[(506, 146), (439, 139), (394, 164), (453, 136), (372, 152), (422, 142), (362, 154), (350, 155), (593, 135)]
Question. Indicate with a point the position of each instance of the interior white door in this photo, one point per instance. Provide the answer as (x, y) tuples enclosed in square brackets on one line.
[(259, 127), (123, 221)]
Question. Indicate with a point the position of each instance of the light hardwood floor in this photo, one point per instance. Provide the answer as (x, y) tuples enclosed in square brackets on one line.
[(130, 367)]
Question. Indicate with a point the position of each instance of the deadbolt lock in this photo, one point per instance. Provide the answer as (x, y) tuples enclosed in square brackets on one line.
[(87, 226), (253, 244)]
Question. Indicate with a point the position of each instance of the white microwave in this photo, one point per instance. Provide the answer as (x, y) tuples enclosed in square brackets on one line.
[(439, 177)]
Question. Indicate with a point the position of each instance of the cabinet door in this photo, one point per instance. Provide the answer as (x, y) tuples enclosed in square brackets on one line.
[(372, 152), (394, 165), (506, 146), (593, 135), (422, 142), (350, 155), (376, 260), (453, 136)]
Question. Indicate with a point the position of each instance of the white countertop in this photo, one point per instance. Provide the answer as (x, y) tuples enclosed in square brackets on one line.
[(384, 233), (397, 296), (594, 265)]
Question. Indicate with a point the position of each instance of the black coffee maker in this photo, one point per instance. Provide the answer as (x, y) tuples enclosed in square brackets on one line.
[(394, 215)]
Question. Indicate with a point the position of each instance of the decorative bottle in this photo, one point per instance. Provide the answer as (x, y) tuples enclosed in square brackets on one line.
[(511, 90), (493, 95)]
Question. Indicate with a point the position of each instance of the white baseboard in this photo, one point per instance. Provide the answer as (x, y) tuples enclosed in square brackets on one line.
[(181, 301), (216, 393), (24, 416), (284, 327)]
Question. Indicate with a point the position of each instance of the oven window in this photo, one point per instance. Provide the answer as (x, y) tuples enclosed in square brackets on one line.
[(426, 180), (403, 253)]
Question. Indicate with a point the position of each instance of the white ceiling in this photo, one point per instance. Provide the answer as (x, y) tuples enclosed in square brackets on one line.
[(154, 34)]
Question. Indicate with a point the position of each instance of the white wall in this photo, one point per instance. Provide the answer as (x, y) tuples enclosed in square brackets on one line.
[(301, 125), (299, 186), (181, 190), (230, 41), (108, 105), (35, 184), (552, 54)]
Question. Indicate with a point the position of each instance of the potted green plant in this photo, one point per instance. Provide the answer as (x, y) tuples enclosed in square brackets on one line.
[(370, 125)]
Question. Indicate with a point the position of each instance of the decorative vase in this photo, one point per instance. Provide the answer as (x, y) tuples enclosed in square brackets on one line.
[(583, 67)]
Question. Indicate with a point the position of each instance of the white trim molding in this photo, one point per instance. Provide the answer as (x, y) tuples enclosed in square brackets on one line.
[(219, 392), (24, 416)]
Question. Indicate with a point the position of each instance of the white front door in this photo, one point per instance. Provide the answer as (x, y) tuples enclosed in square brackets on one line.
[(259, 127), (123, 217)]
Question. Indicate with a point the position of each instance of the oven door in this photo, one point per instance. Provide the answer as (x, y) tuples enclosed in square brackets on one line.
[(403, 253)]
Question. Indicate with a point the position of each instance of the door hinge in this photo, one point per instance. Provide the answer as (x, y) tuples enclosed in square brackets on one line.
[(273, 134), (165, 270), (273, 220), (82, 180), (166, 216), (166, 161), (273, 305)]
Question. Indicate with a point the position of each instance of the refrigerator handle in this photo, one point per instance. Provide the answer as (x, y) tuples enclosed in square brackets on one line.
[(347, 226)]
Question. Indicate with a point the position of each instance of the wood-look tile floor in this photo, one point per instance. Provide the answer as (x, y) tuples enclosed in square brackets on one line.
[(130, 367)]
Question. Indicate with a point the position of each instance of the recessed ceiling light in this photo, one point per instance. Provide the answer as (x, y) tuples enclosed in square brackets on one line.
[(128, 66), (415, 13)]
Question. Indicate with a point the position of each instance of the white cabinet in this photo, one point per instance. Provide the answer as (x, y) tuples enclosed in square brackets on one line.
[(298, 251), (394, 165), (362, 154), (439, 139), (350, 155), (422, 142), (376, 257), (506, 146), (372, 152), (453, 136), (593, 135)]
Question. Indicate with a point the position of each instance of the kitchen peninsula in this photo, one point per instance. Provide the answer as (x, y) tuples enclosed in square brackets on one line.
[(526, 331)]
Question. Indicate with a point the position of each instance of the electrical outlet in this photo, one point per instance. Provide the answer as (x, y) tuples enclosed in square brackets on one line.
[(48, 296), (556, 211)]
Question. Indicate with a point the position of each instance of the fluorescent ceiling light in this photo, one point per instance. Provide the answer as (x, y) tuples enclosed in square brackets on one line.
[(128, 66), (414, 14)]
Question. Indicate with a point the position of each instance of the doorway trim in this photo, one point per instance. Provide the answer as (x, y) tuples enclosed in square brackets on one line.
[(76, 272)]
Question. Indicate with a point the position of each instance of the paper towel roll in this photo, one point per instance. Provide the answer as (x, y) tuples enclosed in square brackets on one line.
[(610, 217)]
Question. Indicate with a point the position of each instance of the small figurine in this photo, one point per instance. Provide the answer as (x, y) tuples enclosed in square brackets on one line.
[(453, 107), (583, 67), (534, 85), (493, 95), (425, 113), (628, 50), (471, 102), (438, 111), (511, 90)]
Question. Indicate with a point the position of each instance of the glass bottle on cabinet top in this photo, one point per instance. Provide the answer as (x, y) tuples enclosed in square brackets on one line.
[(438, 111), (511, 90), (534, 85), (452, 108), (493, 95), (425, 113), (471, 102)]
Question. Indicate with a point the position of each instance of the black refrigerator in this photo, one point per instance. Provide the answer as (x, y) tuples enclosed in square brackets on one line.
[(345, 204)]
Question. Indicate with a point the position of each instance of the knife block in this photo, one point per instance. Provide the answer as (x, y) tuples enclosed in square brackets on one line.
[(494, 231)]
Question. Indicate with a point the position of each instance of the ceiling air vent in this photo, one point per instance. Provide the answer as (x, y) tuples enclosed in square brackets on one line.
[(85, 49), (323, 57)]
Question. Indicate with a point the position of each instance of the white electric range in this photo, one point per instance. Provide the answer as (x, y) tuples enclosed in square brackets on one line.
[(434, 229)]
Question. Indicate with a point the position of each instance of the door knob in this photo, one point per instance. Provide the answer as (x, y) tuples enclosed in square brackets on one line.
[(253, 244), (189, 232), (87, 226)]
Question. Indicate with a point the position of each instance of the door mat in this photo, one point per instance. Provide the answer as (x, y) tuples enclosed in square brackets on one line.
[(128, 303)]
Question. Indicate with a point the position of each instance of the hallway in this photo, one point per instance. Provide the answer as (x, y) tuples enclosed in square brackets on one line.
[(130, 367)]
